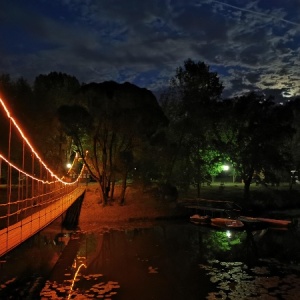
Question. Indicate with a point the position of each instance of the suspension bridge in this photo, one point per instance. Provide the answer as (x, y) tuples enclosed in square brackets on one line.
[(31, 195)]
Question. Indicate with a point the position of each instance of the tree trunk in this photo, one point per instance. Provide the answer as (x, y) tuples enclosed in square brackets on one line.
[(247, 181), (123, 189), (112, 191), (198, 178), (198, 189), (103, 193), (107, 188), (246, 190)]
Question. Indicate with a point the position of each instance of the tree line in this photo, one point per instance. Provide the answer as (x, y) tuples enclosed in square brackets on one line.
[(122, 132)]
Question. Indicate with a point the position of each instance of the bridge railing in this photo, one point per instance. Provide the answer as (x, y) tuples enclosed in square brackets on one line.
[(30, 192), (18, 232)]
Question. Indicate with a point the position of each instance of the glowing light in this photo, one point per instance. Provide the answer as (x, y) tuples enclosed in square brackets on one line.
[(228, 234), (225, 168), (48, 202), (73, 281), (31, 147), (26, 174)]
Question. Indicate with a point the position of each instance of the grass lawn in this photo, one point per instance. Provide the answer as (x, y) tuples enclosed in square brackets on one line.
[(260, 196)]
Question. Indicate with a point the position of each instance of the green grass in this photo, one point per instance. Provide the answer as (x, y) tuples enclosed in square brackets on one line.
[(261, 197)]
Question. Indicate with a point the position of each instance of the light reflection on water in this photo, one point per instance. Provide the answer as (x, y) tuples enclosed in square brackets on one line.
[(182, 261)]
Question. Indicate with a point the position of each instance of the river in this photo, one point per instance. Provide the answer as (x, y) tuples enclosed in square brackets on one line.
[(160, 261)]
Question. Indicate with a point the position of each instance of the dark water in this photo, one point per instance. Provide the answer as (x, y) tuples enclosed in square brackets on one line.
[(168, 260)]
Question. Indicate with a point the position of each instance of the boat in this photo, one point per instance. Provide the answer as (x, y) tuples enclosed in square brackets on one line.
[(227, 223), (199, 219), (252, 223), (227, 214), (259, 223), (216, 213), (275, 222)]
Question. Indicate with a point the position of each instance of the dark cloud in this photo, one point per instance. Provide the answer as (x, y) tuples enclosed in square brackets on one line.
[(252, 45)]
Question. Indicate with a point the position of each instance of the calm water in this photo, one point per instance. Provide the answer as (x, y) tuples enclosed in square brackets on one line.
[(162, 261)]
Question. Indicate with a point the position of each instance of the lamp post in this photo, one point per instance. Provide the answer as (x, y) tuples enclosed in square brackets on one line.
[(225, 167), (293, 177)]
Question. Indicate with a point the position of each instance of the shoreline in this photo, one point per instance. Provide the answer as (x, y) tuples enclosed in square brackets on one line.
[(139, 208)]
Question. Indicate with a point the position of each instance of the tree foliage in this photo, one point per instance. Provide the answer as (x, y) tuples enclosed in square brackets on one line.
[(183, 141), (253, 132), (123, 119), (50, 92), (17, 95), (188, 103)]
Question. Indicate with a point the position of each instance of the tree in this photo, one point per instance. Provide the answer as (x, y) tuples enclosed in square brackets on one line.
[(188, 103), (195, 83), (53, 90), (124, 118), (17, 95), (294, 108), (253, 132), (50, 92)]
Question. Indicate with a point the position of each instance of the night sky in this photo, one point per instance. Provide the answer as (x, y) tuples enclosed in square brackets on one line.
[(252, 45)]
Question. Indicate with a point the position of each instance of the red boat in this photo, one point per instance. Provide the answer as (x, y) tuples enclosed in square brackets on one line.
[(198, 219), (227, 223), (275, 222)]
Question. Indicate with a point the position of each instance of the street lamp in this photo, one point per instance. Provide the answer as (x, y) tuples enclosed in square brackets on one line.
[(225, 167)]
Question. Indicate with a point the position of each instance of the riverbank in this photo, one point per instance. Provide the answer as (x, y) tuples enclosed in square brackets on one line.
[(139, 207), (142, 207)]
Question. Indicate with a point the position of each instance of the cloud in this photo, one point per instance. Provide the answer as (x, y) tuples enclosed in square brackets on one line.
[(252, 45), (263, 15)]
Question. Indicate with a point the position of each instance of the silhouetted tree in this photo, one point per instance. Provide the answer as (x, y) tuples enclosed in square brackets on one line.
[(188, 103), (17, 96), (50, 92), (294, 107), (124, 118)]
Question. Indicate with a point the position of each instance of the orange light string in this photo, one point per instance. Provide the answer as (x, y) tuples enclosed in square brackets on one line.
[(31, 147), (24, 173)]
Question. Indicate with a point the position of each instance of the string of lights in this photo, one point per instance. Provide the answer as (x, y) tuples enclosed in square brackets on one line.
[(29, 145), (35, 195), (24, 173), (32, 192)]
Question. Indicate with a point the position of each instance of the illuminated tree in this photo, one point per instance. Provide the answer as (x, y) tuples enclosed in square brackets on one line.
[(189, 103), (253, 132)]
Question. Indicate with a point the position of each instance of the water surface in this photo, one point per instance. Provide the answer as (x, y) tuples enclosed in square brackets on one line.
[(163, 260)]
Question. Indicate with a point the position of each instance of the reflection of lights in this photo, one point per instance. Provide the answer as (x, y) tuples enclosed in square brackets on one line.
[(73, 281), (228, 234), (69, 165)]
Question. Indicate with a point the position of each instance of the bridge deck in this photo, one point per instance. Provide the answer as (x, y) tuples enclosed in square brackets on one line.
[(17, 233)]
